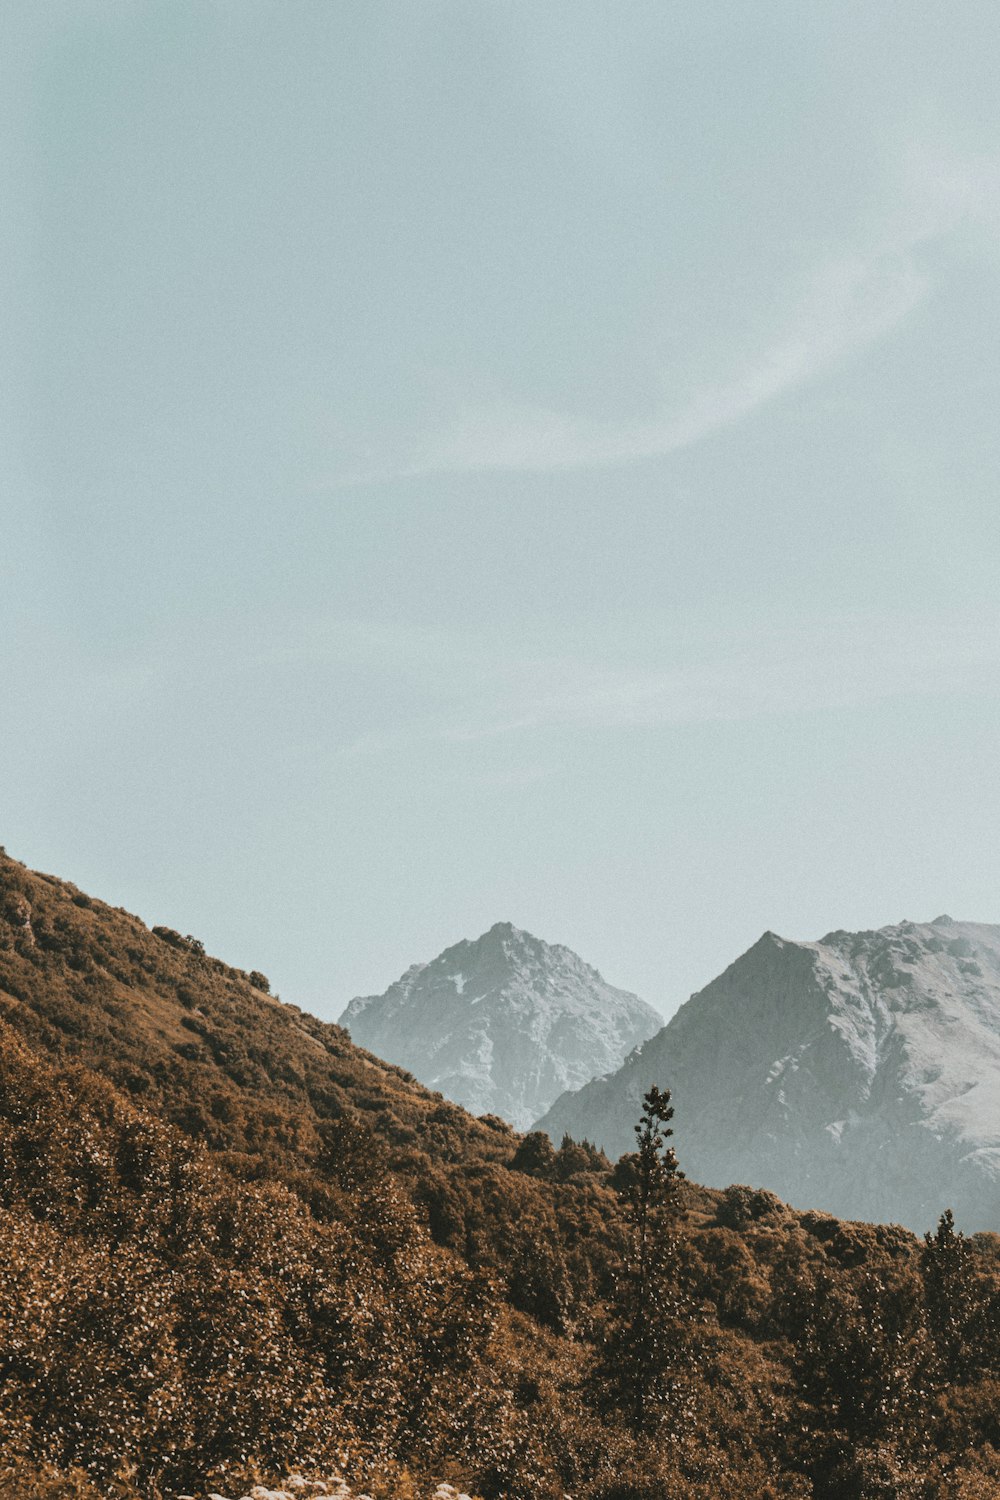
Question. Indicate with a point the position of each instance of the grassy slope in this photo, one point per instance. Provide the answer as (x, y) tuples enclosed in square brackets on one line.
[(236, 1242)]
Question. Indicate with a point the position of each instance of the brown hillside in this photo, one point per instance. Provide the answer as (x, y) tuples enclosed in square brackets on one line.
[(236, 1245), (171, 1025)]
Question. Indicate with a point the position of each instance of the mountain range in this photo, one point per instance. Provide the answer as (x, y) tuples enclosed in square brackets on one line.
[(859, 1075), (503, 1024), (240, 1253)]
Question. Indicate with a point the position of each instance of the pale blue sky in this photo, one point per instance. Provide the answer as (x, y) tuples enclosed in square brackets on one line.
[(477, 461)]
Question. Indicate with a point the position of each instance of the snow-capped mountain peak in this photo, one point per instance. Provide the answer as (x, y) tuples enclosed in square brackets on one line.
[(502, 1023), (858, 1074)]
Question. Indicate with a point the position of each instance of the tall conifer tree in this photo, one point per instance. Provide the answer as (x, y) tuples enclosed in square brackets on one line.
[(640, 1370)]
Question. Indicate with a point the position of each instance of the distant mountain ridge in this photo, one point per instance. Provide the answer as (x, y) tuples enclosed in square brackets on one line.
[(502, 1024), (859, 1074)]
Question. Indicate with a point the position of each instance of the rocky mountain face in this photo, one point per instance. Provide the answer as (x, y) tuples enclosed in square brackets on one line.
[(859, 1075), (502, 1025)]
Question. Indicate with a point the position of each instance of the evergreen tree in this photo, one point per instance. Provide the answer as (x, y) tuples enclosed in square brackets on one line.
[(535, 1155), (641, 1368), (955, 1305)]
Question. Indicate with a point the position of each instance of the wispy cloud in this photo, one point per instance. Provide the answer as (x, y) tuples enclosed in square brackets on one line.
[(444, 687), (848, 301), (483, 689)]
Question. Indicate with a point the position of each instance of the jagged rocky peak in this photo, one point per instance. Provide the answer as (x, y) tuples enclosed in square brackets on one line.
[(502, 1024), (859, 1074)]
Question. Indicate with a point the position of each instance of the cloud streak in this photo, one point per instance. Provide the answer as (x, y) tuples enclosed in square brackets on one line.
[(850, 303), (846, 304), (795, 667)]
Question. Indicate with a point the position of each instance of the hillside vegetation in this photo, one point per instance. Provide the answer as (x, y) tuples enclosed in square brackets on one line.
[(237, 1246)]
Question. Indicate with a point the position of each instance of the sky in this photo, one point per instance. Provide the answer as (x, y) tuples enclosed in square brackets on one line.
[(480, 461)]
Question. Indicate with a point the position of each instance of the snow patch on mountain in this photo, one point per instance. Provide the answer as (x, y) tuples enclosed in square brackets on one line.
[(502, 1024), (859, 1074)]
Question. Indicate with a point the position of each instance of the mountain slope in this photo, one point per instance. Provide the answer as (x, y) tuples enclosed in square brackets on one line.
[(859, 1074), (502, 1025), (201, 1043), (249, 1247)]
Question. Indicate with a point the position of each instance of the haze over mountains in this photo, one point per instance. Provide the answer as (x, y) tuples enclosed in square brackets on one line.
[(859, 1074), (503, 1024)]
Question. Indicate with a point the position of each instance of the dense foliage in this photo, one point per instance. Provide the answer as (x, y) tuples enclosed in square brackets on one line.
[(237, 1245)]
